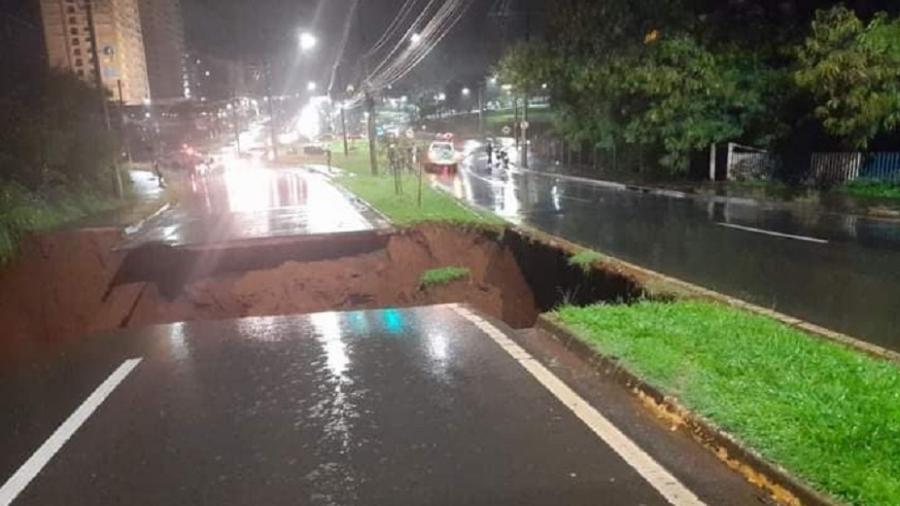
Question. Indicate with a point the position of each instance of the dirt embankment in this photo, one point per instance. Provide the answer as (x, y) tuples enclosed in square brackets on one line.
[(57, 287), (67, 285)]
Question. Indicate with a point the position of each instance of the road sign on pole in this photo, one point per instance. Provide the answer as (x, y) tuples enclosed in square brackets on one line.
[(507, 130)]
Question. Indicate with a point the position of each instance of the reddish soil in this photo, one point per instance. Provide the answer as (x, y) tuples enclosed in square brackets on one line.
[(71, 284), (385, 278), (55, 288)]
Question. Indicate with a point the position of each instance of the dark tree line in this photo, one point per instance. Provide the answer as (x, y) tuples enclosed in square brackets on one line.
[(662, 80)]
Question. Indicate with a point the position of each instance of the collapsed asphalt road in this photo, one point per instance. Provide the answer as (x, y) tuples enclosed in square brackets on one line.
[(424, 406)]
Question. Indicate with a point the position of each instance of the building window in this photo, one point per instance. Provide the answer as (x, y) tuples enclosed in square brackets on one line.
[(80, 73), (78, 62), (77, 52), (72, 20), (75, 42), (70, 9), (73, 31)]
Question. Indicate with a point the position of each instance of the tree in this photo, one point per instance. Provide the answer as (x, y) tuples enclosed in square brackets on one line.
[(685, 97), (53, 133), (852, 70)]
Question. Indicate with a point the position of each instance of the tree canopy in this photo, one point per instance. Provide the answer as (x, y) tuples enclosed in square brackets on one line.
[(655, 77)]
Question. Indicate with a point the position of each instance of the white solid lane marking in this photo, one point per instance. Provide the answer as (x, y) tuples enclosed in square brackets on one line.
[(17, 482), (656, 475), (776, 234)]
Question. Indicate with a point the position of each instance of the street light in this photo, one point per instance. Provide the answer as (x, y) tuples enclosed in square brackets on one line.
[(311, 86), (308, 41), (415, 38), (466, 92)]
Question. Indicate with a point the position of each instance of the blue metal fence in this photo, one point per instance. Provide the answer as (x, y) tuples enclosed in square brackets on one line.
[(843, 167), (882, 167)]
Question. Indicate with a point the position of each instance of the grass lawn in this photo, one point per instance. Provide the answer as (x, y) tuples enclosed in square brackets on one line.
[(585, 259), (443, 275), (403, 209), (826, 413), (868, 188)]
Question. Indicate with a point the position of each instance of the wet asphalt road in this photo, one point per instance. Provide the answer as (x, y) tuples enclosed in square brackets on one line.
[(245, 199), (381, 407), (846, 279)]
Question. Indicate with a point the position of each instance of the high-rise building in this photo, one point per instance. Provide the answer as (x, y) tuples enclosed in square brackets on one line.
[(119, 44), (163, 27)]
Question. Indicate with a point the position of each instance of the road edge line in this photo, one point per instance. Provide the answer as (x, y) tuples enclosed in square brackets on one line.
[(30, 469), (646, 466)]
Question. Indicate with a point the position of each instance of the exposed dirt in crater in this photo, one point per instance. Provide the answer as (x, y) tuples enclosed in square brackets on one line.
[(385, 278), (71, 284)]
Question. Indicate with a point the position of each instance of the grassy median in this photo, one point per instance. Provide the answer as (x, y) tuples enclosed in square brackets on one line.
[(403, 208), (828, 414)]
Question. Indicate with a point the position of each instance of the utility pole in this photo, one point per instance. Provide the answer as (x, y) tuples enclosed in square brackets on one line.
[(370, 122), (481, 109), (344, 128), (516, 120), (273, 134), (235, 119), (122, 131), (525, 126), (98, 77)]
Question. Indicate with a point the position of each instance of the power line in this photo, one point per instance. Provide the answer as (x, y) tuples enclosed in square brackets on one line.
[(392, 27), (348, 24)]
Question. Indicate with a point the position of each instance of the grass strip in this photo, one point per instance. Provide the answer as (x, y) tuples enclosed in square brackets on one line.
[(404, 209), (872, 188), (826, 413), (585, 259), (442, 276)]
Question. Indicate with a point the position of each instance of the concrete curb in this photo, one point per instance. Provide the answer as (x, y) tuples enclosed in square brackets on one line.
[(783, 487), (131, 229)]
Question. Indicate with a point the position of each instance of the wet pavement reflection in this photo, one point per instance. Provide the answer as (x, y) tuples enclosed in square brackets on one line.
[(245, 199), (379, 407), (841, 271)]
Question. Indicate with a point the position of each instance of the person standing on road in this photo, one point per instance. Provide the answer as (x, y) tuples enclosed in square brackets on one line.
[(158, 171), (490, 153)]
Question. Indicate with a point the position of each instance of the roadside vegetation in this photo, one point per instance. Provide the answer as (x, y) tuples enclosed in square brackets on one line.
[(403, 208), (824, 412), (653, 83), (443, 276), (585, 259), (23, 211), (55, 157), (870, 188)]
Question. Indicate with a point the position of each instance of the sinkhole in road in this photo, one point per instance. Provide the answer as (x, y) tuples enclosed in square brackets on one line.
[(88, 287)]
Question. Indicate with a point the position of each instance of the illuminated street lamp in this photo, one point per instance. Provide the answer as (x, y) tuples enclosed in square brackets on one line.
[(466, 92), (311, 86), (308, 41), (415, 38)]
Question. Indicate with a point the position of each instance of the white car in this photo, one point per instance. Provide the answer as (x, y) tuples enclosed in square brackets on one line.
[(441, 156)]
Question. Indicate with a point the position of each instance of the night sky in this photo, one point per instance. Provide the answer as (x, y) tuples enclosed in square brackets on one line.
[(246, 30)]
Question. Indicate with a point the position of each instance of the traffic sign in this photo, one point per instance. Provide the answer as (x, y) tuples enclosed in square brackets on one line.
[(507, 130), (524, 125)]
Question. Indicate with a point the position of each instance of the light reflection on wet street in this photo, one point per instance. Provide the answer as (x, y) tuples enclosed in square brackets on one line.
[(246, 199), (847, 280)]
